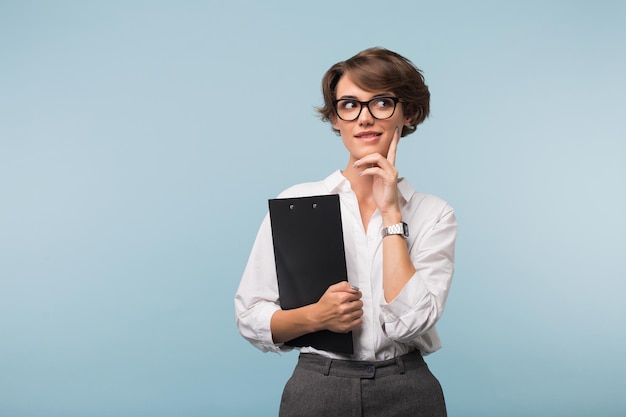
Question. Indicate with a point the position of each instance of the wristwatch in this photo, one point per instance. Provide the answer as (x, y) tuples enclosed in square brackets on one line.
[(397, 229)]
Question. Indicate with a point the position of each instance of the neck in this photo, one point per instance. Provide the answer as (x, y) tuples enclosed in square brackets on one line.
[(361, 185)]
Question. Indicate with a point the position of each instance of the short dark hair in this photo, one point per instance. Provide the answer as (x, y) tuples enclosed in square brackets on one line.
[(379, 69)]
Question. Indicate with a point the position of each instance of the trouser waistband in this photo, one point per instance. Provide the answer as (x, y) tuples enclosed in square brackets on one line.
[(361, 369)]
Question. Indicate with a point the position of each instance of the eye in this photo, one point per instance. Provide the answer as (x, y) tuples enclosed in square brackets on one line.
[(347, 104), (383, 102)]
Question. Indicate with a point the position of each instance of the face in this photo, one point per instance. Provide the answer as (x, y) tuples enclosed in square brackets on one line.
[(366, 135)]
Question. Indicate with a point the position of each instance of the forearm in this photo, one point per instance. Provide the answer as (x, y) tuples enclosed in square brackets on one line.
[(339, 310), (289, 324), (397, 266), (422, 300)]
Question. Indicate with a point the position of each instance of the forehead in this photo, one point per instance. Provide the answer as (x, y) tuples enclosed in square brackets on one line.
[(346, 87)]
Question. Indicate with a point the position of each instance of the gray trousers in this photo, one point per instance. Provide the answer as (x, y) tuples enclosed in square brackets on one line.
[(322, 387)]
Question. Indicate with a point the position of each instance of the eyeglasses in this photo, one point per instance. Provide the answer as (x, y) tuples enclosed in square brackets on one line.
[(380, 108)]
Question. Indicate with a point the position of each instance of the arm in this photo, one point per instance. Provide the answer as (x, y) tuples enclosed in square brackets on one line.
[(416, 278), (397, 266), (259, 317), (338, 310), (256, 299), (421, 302)]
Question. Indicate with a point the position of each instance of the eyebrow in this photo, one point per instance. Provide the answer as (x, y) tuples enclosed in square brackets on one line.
[(348, 97)]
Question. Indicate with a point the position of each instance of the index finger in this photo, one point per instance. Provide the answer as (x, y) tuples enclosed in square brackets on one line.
[(393, 147)]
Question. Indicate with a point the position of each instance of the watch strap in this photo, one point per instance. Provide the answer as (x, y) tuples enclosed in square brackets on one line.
[(396, 229)]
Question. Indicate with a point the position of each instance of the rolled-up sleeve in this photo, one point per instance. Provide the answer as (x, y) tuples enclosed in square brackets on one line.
[(257, 297), (421, 302)]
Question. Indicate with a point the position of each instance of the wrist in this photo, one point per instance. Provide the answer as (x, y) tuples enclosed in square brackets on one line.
[(401, 229), (311, 317), (391, 217)]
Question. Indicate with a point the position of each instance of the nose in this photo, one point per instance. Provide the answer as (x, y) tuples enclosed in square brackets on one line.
[(365, 117)]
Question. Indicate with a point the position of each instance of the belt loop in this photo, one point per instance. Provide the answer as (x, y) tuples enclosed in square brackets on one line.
[(400, 364), (327, 365)]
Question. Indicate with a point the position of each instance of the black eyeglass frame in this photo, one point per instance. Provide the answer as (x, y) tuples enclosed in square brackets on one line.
[(395, 100)]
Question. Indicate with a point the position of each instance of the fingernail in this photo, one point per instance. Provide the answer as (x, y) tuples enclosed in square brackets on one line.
[(354, 287)]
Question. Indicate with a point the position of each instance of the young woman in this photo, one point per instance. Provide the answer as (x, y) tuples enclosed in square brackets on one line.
[(399, 246)]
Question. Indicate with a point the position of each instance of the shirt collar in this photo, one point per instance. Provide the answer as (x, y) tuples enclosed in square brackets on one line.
[(405, 189), (337, 183)]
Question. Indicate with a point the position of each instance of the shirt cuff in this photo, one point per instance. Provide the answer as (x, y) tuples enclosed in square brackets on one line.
[(262, 338)]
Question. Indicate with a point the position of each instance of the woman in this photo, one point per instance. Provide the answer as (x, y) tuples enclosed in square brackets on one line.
[(399, 247)]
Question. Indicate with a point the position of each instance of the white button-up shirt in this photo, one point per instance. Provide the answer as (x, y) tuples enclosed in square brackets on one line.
[(389, 329)]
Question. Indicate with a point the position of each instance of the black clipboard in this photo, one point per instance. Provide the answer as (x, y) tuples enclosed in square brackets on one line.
[(310, 257)]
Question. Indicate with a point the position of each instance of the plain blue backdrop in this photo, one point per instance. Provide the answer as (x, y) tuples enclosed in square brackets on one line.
[(140, 141)]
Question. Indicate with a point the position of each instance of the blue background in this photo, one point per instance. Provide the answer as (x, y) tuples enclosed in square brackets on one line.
[(140, 140)]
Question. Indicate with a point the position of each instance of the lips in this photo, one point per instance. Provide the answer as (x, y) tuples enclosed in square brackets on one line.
[(368, 136)]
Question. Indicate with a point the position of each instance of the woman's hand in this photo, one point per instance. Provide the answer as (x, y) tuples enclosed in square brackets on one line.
[(340, 309), (385, 176)]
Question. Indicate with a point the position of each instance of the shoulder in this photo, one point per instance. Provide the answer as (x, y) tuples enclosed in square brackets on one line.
[(424, 212), (422, 202), (431, 204)]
